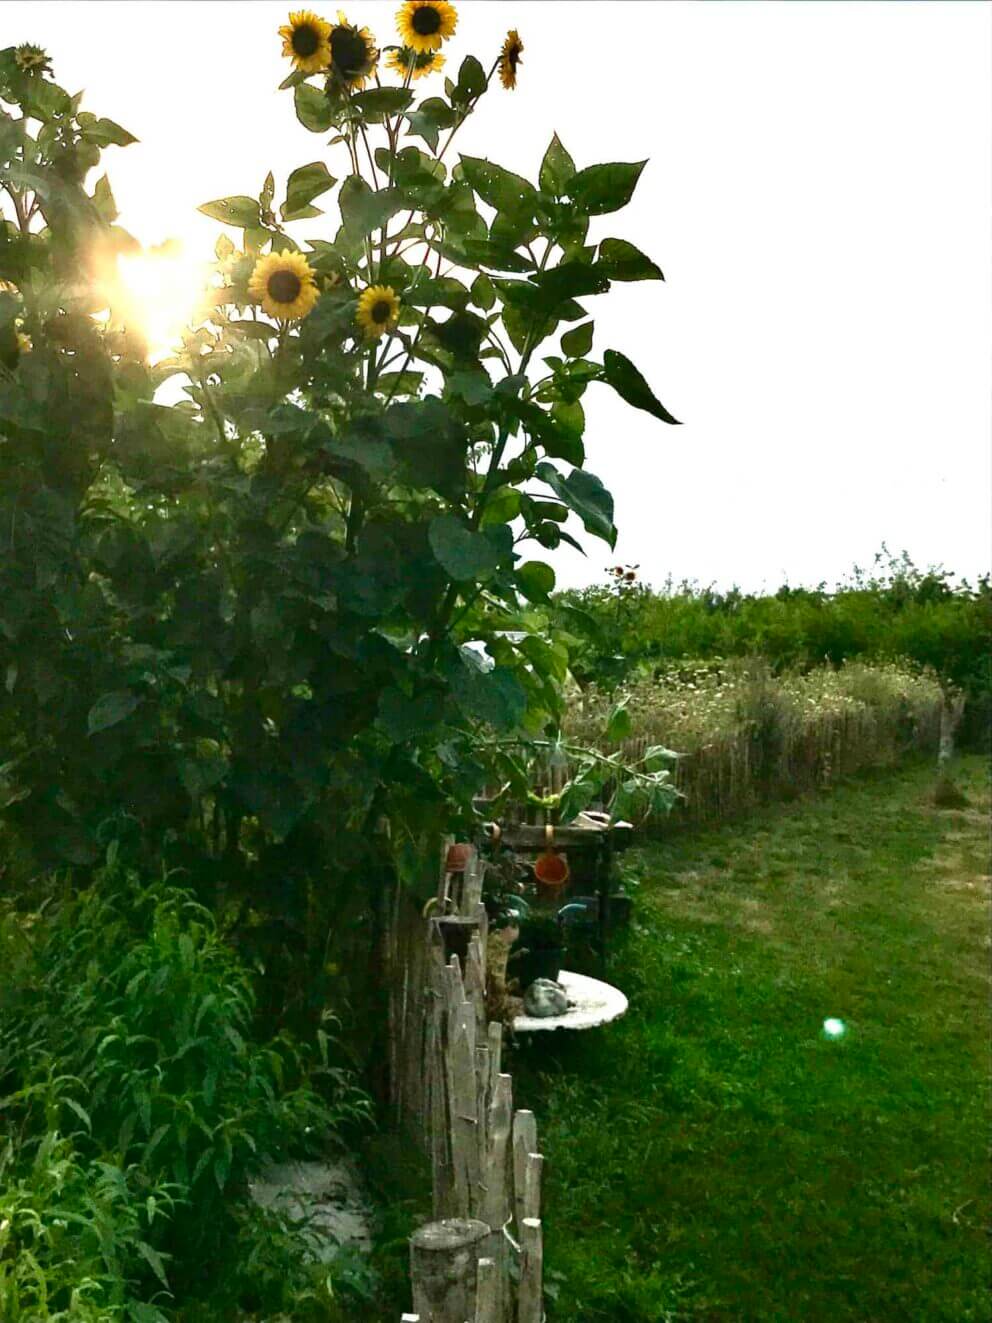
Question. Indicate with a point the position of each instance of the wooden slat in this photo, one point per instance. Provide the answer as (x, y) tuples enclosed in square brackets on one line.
[(533, 1166), (530, 1293), (524, 1142), (487, 1292)]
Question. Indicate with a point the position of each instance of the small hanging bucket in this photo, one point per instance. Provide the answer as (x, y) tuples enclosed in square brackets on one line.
[(551, 868)]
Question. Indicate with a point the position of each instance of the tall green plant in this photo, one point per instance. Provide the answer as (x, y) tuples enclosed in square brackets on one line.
[(244, 618)]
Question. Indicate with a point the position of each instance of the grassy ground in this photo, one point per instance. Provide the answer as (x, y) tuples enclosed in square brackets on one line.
[(713, 1156)]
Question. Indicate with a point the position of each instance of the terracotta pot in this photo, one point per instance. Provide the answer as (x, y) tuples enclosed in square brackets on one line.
[(458, 856), (551, 869)]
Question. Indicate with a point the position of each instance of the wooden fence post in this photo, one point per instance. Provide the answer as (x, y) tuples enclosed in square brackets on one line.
[(444, 1260)]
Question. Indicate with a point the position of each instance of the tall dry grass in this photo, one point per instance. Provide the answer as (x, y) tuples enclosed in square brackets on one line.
[(746, 735)]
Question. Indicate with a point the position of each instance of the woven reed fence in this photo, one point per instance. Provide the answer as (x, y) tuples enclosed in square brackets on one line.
[(480, 1259), (746, 737)]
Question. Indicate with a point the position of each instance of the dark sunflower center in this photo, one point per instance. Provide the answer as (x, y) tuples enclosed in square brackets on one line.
[(426, 21), (305, 41), (381, 310), (513, 55), (284, 286), (348, 53)]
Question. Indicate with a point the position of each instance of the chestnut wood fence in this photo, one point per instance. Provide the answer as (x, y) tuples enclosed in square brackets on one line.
[(480, 1259)]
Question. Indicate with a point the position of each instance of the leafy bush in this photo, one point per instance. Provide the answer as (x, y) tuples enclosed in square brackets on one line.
[(160, 1100)]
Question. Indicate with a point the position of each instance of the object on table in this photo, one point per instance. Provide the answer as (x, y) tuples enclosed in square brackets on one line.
[(592, 1003), (545, 998)]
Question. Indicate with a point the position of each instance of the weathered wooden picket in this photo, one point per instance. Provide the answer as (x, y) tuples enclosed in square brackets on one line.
[(451, 1094)]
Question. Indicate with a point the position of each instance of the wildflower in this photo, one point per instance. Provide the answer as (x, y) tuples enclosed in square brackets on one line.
[(425, 24), (31, 59), (509, 58), (306, 40), (24, 342), (378, 310), (353, 53), (405, 59), (284, 285)]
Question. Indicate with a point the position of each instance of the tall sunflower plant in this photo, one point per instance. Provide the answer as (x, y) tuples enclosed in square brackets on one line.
[(407, 396)]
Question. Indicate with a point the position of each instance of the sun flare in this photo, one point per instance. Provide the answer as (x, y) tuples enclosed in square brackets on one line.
[(160, 293)]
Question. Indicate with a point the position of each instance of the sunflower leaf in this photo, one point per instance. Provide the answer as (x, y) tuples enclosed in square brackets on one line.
[(429, 118), (471, 82), (313, 109), (535, 580), (382, 100), (557, 169), (585, 496), (602, 188), (240, 211), (304, 184), (578, 342), (620, 260), (462, 553), (628, 383), (363, 209), (103, 132), (501, 188)]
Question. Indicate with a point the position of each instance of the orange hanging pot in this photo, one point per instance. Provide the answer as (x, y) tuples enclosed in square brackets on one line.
[(551, 868)]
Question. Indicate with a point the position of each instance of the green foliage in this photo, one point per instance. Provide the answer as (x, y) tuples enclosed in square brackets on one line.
[(138, 1104), (899, 611), (238, 614)]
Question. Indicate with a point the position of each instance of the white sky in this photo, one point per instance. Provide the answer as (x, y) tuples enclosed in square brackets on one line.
[(818, 196)]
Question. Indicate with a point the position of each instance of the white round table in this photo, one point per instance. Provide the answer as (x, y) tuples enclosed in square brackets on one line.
[(595, 1003)]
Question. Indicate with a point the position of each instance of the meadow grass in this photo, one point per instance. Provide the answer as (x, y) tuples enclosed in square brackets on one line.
[(713, 1156)]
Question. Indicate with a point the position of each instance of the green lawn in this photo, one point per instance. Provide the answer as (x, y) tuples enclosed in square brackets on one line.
[(714, 1155)]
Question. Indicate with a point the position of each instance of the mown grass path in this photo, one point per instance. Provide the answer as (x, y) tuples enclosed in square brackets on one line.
[(713, 1156)]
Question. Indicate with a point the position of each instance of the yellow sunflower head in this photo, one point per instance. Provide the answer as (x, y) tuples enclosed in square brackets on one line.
[(306, 40), (509, 58), (284, 284), (353, 54), (404, 58), (425, 24), (31, 59), (24, 343), (378, 310)]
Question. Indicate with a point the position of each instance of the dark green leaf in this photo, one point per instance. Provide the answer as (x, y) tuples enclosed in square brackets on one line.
[(535, 580), (110, 709), (429, 118), (363, 210), (304, 184), (619, 726), (461, 552), (313, 109), (602, 188), (568, 281), (586, 496), (501, 188), (240, 211), (471, 81), (577, 343), (382, 100), (631, 386), (557, 169), (620, 260)]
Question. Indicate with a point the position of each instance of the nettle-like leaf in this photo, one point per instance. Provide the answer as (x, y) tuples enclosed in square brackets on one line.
[(630, 385), (364, 209)]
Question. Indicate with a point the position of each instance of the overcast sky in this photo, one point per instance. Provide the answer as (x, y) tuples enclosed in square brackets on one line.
[(818, 194)]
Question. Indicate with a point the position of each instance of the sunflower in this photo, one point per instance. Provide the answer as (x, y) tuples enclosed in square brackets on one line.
[(284, 285), (353, 54), (425, 24), (378, 310), (509, 58), (31, 59), (405, 58), (305, 39)]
